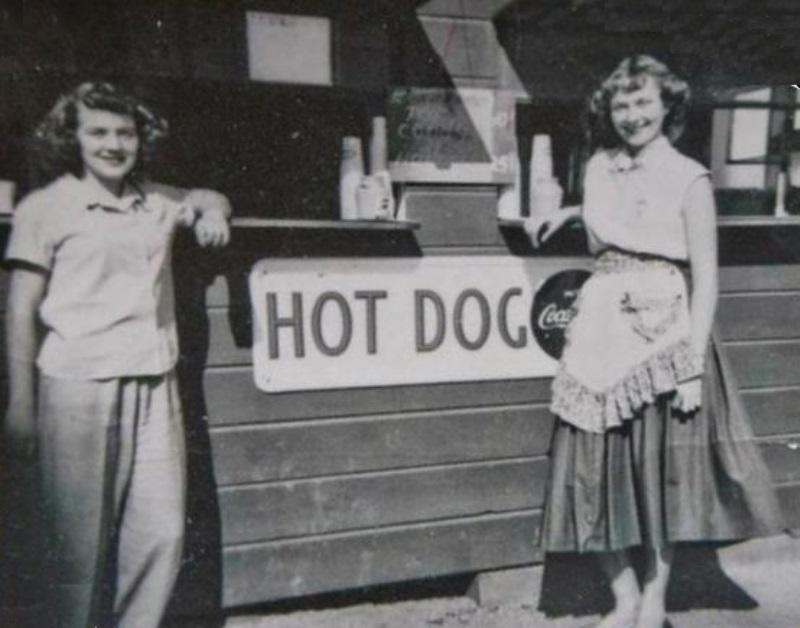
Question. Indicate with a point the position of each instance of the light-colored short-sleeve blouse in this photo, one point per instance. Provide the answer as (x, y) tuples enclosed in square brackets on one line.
[(108, 309)]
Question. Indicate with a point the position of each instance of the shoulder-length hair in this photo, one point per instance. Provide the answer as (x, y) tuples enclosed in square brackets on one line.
[(54, 145), (631, 74)]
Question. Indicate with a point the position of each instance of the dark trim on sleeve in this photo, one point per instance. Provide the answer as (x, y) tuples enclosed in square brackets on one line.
[(21, 264)]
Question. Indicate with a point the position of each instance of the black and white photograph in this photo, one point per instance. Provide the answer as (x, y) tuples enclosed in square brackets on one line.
[(400, 314)]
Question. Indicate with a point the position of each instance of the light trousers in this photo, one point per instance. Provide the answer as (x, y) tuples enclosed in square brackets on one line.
[(113, 466)]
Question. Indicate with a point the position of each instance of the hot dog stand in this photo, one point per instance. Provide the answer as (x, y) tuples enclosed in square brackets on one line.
[(367, 399)]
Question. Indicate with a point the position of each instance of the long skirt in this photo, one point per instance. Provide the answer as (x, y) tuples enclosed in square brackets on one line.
[(662, 477)]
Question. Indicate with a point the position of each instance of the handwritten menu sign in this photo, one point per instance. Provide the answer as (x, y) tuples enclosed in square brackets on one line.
[(452, 135)]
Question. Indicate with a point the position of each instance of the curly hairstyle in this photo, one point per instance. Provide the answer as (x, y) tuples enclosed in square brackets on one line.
[(631, 74), (54, 145)]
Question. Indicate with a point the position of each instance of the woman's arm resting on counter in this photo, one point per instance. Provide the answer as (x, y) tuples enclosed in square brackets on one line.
[(541, 228)]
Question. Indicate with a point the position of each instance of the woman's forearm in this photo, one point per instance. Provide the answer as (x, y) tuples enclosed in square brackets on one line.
[(701, 233), (209, 202), (21, 346), (26, 291), (704, 307)]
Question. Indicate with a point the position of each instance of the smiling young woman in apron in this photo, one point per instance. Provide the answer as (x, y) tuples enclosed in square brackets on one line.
[(652, 445)]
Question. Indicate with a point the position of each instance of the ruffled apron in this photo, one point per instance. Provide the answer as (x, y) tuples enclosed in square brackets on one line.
[(628, 343)]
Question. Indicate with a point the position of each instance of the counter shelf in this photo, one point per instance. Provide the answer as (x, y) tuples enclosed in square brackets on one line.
[(300, 223), (742, 239), (722, 221)]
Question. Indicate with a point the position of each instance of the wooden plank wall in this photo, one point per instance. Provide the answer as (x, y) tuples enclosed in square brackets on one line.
[(323, 491)]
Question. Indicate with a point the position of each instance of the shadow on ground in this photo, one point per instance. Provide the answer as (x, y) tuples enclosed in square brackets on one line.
[(573, 584)]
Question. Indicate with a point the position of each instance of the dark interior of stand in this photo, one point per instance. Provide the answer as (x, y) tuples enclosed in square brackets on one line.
[(274, 148)]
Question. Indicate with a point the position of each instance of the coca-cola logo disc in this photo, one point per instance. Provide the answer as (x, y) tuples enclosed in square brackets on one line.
[(554, 307)]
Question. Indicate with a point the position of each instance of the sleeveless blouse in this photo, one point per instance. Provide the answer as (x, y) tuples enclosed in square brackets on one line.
[(636, 204)]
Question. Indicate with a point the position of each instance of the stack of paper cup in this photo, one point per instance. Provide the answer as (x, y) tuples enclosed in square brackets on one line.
[(378, 158), (545, 193), (780, 196), (6, 196), (541, 157), (794, 168), (509, 203), (351, 172)]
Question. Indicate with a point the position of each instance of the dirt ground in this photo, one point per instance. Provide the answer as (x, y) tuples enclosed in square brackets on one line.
[(751, 585)]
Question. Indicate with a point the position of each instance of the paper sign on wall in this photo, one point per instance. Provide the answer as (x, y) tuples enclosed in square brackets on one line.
[(289, 48)]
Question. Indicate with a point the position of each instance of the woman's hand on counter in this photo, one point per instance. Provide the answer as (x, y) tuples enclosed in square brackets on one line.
[(541, 228), (212, 229), (212, 212)]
